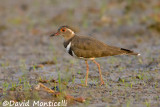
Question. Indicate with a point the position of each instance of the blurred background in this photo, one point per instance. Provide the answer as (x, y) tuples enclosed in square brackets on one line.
[(25, 27)]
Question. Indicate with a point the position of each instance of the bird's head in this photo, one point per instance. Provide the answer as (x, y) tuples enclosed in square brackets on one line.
[(65, 31)]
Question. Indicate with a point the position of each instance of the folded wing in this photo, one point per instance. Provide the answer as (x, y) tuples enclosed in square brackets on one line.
[(87, 47)]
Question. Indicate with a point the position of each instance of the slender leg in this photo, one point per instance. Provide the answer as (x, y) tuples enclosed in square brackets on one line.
[(100, 74), (87, 68)]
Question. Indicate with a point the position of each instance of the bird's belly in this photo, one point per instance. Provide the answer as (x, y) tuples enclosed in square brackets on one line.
[(71, 52), (75, 56)]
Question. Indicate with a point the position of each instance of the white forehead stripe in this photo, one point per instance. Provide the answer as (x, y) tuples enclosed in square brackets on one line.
[(68, 47), (71, 31)]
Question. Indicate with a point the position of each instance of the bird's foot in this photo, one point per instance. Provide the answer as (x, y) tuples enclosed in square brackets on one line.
[(102, 83)]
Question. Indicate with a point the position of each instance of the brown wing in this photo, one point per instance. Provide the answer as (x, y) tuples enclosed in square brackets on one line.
[(87, 47)]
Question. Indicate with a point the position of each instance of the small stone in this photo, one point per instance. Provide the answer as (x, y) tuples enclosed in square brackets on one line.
[(55, 88), (115, 77)]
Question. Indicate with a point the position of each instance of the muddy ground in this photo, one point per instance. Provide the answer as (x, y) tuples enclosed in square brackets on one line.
[(130, 81)]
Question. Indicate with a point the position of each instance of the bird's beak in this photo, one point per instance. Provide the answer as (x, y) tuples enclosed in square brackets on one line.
[(55, 34)]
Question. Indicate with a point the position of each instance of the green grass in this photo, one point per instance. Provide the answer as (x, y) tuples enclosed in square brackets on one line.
[(147, 103)]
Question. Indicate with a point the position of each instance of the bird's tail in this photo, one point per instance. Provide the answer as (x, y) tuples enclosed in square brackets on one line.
[(129, 52)]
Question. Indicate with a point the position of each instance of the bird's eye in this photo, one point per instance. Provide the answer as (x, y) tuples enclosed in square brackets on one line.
[(63, 30)]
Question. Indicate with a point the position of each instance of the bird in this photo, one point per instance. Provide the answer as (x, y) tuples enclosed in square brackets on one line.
[(88, 48)]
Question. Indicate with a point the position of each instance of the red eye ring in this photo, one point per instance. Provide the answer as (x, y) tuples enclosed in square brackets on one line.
[(63, 30)]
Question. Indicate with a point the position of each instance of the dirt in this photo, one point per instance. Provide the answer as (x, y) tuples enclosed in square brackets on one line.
[(28, 56)]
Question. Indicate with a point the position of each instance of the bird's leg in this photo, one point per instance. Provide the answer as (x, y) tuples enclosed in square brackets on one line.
[(100, 74), (87, 70)]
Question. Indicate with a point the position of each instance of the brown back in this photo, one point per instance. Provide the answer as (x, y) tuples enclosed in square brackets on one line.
[(88, 47)]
